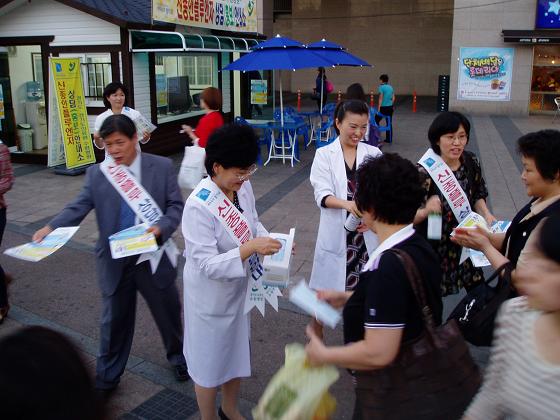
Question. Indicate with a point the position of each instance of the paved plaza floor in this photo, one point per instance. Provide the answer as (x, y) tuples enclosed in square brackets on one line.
[(61, 291)]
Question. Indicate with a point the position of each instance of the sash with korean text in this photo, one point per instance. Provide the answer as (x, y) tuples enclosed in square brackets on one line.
[(143, 205), (237, 227), (446, 182)]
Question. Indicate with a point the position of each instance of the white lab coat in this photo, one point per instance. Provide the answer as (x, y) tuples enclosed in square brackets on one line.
[(328, 177), (216, 343)]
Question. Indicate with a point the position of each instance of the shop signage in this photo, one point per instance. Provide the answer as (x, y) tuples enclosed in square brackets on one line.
[(485, 74), (548, 14), (226, 15), (73, 128), (259, 92)]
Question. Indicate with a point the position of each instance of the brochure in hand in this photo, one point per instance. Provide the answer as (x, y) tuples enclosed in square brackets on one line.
[(36, 251), (132, 241), (306, 299)]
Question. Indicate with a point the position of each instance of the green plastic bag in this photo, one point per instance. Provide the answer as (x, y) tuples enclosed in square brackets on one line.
[(298, 391)]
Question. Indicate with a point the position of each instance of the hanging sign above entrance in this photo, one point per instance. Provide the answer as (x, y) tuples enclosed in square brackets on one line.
[(65, 80), (225, 15)]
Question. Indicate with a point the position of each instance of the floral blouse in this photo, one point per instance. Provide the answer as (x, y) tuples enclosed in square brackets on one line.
[(455, 275)]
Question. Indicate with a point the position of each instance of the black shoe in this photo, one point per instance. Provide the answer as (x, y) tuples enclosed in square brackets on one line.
[(104, 394), (181, 373), (221, 414)]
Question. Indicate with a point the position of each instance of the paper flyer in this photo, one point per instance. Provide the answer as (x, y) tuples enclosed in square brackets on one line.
[(34, 252), (477, 257), (132, 241), (305, 298)]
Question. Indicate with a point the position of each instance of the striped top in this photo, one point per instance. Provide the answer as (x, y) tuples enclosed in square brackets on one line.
[(518, 381)]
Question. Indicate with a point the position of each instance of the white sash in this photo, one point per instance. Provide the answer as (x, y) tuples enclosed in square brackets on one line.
[(448, 185), (446, 182), (143, 205), (237, 227)]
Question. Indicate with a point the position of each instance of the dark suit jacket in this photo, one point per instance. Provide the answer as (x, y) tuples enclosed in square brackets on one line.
[(160, 180)]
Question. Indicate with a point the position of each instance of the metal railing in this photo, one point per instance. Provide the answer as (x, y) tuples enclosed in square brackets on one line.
[(98, 76)]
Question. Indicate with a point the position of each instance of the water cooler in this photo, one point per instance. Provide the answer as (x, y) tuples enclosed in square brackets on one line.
[(36, 115)]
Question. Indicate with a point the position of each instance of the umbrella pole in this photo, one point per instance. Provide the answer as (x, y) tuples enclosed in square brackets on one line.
[(322, 86), (282, 117)]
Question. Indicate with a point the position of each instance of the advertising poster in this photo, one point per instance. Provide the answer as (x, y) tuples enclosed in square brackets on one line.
[(161, 90), (259, 92), (2, 115), (485, 74), (72, 114), (548, 14), (225, 15)]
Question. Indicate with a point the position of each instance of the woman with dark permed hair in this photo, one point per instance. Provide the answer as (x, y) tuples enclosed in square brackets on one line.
[(382, 313), (540, 155), (220, 258), (448, 135)]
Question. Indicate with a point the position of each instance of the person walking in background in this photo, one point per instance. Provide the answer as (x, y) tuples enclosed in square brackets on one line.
[(523, 376), (115, 98), (341, 249), (43, 376), (153, 181), (218, 268), (320, 87), (6, 182), (386, 103), (211, 103), (448, 135)]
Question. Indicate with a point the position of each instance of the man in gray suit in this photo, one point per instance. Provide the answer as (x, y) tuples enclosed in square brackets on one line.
[(119, 279)]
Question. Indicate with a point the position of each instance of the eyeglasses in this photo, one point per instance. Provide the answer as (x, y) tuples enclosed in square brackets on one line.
[(247, 173), (461, 138)]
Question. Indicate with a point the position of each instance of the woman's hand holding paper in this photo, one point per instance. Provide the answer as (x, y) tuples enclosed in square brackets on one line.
[(473, 237)]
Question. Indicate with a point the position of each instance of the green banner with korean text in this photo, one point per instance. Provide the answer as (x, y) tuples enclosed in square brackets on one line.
[(72, 114)]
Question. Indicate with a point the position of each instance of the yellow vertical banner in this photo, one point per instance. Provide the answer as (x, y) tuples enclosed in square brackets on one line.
[(72, 113)]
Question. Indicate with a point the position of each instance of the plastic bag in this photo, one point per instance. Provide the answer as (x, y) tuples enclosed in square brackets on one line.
[(298, 391), (192, 167)]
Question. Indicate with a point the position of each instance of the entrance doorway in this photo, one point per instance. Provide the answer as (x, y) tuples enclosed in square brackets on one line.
[(545, 83)]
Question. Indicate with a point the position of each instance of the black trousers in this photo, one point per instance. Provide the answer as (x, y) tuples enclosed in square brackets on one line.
[(3, 290), (388, 111)]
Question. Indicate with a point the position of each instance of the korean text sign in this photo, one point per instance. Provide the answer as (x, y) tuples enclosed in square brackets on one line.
[(226, 15), (485, 74), (72, 113)]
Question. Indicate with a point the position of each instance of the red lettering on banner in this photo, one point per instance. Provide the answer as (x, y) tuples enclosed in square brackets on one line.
[(240, 229), (449, 185), (112, 169), (246, 237), (455, 194), (232, 219), (128, 185), (444, 176), (459, 202), (120, 176), (224, 207), (134, 193)]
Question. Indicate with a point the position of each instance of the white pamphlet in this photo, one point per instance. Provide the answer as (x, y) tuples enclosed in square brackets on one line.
[(36, 251), (132, 241), (477, 257), (306, 299)]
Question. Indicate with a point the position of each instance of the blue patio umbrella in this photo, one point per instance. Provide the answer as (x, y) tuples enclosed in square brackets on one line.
[(279, 53), (336, 54)]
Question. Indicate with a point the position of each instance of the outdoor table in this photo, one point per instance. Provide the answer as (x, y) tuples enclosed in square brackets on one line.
[(281, 152)]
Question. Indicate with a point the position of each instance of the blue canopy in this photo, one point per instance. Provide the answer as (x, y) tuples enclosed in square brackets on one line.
[(336, 54)]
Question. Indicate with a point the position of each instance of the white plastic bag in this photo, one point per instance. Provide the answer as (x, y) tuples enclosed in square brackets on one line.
[(192, 167)]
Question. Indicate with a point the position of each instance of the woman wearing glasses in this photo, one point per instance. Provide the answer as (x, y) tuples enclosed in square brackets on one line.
[(223, 236), (452, 192)]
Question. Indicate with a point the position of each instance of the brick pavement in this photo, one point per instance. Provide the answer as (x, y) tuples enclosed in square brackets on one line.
[(61, 291)]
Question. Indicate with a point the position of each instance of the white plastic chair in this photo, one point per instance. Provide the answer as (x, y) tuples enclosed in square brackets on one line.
[(557, 113)]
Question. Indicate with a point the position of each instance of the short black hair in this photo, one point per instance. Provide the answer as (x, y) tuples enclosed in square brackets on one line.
[(353, 106), (44, 376), (112, 88), (232, 146), (117, 123), (390, 186), (355, 91), (548, 237), (447, 123), (384, 78), (544, 147)]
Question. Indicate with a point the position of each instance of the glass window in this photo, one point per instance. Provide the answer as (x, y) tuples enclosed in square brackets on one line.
[(179, 80), (96, 74), (545, 82)]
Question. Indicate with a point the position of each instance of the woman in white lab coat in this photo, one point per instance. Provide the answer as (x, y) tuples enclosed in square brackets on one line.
[(217, 333), (340, 254)]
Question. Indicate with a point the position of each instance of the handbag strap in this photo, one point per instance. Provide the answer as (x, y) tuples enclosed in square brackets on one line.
[(417, 285), (506, 268)]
